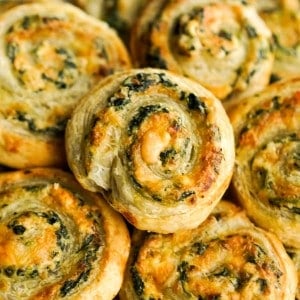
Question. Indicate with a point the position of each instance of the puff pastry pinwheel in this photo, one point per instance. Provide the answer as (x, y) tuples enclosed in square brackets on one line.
[(266, 178), (226, 257), (283, 19), (57, 240), (159, 144), (50, 55), (120, 14), (224, 45)]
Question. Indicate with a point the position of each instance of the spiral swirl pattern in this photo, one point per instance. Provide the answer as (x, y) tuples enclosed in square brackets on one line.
[(51, 55), (226, 257), (158, 143), (224, 45), (57, 241), (283, 19), (267, 174)]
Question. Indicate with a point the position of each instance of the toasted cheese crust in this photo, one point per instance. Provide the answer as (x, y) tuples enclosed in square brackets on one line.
[(52, 54), (267, 175), (160, 145), (226, 257), (58, 241)]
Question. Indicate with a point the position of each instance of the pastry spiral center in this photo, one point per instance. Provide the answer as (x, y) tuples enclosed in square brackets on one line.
[(50, 53), (211, 36), (47, 234), (29, 232), (232, 265), (276, 170)]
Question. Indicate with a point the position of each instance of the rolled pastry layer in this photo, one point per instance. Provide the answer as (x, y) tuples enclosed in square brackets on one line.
[(224, 45), (267, 171), (159, 144), (57, 240), (120, 14), (51, 55), (226, 257), (283, 19)]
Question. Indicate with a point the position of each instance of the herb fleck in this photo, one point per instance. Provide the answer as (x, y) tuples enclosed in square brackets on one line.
[(225, 35), (167, 156), (251, 31), (182, 269), (12, 51), (199, 248), (185, 195), (138, 283), (263, 284), (143, 112)]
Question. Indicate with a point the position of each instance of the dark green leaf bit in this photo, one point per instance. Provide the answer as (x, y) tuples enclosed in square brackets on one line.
[(194, 102), (137, 281), (56, 130), (142, 81), (135, 84), (12, 51), (182, 269), (185, 195), (251, 31), (143, 113), (89, 248), (17, 228), (167, 156)]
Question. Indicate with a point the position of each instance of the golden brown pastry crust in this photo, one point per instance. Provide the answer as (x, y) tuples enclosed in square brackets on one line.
[(51, 55), (226, 257), (160, 145), (58, 241), (224, 45), (120, 14), (267, 175), (7, 4), (283, 19)]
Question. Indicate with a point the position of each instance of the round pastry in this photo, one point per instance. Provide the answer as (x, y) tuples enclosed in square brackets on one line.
[(120, 14), (266, 178), (57, 240), (226, 257), (51, 55), (224, 45), (283, 19), (160, 145)]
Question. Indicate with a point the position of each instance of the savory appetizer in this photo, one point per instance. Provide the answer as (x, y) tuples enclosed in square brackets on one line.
[(226, 257), (57, 240), (160, 146), (266, 177), (223, 44), (51, 54)]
